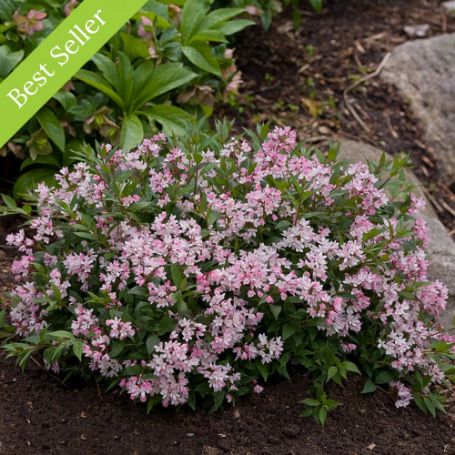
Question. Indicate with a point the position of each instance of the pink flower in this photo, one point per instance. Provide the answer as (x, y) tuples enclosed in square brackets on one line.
[(120, 329), (31, 23), (404, 394), (70, 6)]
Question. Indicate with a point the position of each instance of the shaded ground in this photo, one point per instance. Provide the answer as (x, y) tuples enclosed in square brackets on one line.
[(299, 79), (39, 416)]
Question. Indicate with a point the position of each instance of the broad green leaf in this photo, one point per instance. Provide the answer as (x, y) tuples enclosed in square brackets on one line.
[(209, 35), (369, 387), (49, 160), (288, 331), (96, 81), (30, 179), (66, 99), (384, 377), (177, 275), (276, 310), (52, 127), (350, 366), (126, 87), (77, 349), (135, 47), (162, 79), (322, 415), (201, 56), (331, 372), (193, 15), (220, 15), (311, 402), (152, 341), (232, 27), (132, 132), (10, 203), (9, 60), (107, 68), (173, 119)]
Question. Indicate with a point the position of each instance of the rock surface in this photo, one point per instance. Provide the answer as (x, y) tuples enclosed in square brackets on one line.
[(441, 248), (424, 73), (449, 6)]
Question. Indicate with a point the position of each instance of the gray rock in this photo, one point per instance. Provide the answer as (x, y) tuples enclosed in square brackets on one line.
[(424, 73), (441, 249), (449, 6)]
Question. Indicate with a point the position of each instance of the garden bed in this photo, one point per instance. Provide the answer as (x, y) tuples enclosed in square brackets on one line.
[(40, 416)]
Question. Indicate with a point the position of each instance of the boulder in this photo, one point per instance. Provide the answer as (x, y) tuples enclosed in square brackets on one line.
[(424, 73), (441, 249), (449, 6)]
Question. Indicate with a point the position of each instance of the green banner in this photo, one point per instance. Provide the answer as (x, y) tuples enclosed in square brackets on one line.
[(52, 64)]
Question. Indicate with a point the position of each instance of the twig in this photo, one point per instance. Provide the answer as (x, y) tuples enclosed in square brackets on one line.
[(362, 80), (448, 208), (432, 199)]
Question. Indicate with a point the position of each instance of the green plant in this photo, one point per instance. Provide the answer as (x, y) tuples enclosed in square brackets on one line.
[(190, 270), (168, 65)]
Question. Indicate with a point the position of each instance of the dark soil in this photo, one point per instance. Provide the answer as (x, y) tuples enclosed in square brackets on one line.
[(298, 77), (38, 415)]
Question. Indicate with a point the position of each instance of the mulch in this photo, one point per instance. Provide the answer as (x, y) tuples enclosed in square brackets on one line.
[(39, 415)]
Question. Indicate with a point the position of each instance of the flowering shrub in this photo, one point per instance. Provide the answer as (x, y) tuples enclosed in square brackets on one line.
[(169, 56), (191, 271)]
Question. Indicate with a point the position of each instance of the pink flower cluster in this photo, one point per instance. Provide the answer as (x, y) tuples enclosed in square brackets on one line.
[(224, 235)]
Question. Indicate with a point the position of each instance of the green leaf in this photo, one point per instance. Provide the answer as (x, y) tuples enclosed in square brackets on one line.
[(49, 160), (132, 132), (193, 14), (28, 181), (218, 398), (317, 5), (276, 310), (9, 60), (332, 372), (177, 275), (66, 99), (384, 377), (10, 203), (116, 349), (322, 415), (152, 82), (430, 405), (108, 69), (99, 83), (173, 119), (312, 402), (77, 350), (152, 341), (263, 370), (52, 127), (288, 331), (135, 47), (232, 27), (201, 56), (220, 15), (369, 387), (209, 35), (352, 367)]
